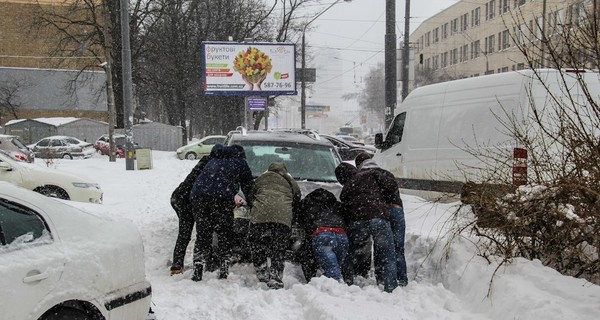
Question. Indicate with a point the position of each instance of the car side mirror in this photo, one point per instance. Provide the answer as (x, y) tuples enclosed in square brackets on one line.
[(379, 143), (4, 166)]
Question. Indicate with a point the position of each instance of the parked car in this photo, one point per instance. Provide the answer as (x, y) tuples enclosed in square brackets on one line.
[(199, 149), (350, 139), (62, 147), (49, 182), (346, 150), (59, 262), (102, 145), (16, 148)]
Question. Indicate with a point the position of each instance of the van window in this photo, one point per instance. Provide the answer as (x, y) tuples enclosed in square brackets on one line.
[(395, 133)]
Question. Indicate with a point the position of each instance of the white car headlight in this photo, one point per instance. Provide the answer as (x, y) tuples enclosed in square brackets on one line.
[(179, 150), (86, 185)]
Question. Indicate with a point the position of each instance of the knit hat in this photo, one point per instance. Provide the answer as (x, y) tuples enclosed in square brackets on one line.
[(360, 158)]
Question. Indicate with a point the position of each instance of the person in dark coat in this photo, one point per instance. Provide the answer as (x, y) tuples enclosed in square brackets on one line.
[(366, 213), (212, 199), (275, 195), (364, 162), (322, 219), (180, 201)]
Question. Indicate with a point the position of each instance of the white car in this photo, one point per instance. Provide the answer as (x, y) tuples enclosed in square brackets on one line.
[(49, 182), (58, 262)]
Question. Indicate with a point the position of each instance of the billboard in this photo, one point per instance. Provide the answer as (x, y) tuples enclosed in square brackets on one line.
[(248, 69)]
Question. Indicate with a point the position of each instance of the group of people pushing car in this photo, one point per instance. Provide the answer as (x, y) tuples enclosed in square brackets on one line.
[(333, 230)]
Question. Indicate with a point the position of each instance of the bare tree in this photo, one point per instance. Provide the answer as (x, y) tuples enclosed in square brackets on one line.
[(554, 218), (9, 97)]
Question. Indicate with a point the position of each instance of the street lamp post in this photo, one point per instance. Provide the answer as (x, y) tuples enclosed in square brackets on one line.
[(303, 80)]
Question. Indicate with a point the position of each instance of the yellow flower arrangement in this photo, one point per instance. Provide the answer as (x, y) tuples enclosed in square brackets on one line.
[(252, 64)]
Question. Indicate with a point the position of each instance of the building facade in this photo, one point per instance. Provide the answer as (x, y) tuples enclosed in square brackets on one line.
[(477, 37)]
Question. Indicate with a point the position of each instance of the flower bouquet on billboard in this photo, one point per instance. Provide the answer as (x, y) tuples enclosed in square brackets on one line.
[(253, 65)]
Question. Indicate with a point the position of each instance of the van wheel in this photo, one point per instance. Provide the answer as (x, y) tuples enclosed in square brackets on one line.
[(67, 156), (53, 192), (66, 314), (191, 156)]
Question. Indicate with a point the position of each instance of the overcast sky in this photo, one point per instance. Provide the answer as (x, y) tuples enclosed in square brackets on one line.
[(356, 29)]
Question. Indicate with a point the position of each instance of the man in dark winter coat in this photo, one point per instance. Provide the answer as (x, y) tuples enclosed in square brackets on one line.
[(180, 201), (364, 162), (212, 199), (366, 213), (321, 218)]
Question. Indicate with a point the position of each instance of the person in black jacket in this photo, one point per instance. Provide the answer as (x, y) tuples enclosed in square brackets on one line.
[(364, 162), (180, 201), (212, 198), (322, 219), (366, 213)]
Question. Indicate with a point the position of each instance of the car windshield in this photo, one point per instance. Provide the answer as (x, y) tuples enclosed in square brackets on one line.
[(18, 143), (303, 161)]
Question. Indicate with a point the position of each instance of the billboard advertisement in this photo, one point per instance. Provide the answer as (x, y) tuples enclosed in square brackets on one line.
[(249, 69)]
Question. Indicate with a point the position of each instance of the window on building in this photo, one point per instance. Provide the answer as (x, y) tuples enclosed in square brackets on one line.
[(504, 6), (490, 9), (521, 2), (464, 22), (559, 19), (489, 44), (435, 62), (475, 49), (504, 69), (444, 59), (436, 35), (475, 14), (454, 26), (465, 53), (520, 66), (445, 30), (428, 39), (455, 56), (505, 43)]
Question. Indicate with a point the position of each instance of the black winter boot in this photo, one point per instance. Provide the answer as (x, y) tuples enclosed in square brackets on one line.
[(198, 268), (224, 269)]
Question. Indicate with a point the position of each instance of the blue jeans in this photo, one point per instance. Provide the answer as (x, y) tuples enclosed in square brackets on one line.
[(399, 230), (330, 249), (383, 245)]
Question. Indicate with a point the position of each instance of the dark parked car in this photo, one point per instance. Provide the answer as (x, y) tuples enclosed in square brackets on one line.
[(347, 150)]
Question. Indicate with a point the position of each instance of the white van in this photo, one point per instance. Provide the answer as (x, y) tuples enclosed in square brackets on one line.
[(427, 142)]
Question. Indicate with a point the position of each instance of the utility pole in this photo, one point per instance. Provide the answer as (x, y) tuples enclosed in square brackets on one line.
[(127, 86), (391, 90), (406, 50)]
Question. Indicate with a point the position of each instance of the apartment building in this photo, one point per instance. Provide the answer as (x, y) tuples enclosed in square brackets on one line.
[(477, 37)]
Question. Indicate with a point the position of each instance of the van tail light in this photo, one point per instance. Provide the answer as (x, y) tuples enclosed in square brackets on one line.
[(519, 166)]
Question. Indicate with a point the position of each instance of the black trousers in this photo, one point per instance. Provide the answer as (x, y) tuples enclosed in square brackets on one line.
[(213, 215), (186, 226), (269, 240)]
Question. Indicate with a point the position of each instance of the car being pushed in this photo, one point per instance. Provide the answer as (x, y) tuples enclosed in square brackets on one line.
[(64, 147), (58, 262), (199, 149), (49, 182)]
